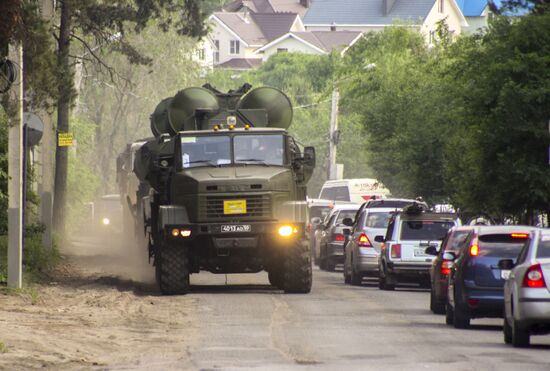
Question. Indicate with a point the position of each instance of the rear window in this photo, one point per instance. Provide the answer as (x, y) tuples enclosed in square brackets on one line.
[(389, 203), (335, 193), (319, 211), (345, 214), (456, 241), (414, 230), (377, 220), (501, 245)]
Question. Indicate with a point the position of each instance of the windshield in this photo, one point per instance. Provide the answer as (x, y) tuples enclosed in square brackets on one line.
[(267, 149), (416, 230), (215, 150), (203, 151), (345, 214), (377, 220), (319, 211)]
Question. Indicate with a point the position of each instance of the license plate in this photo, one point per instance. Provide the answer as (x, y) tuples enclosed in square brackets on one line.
[(420, 252), (504, 274), (234, 207), (236, 228)]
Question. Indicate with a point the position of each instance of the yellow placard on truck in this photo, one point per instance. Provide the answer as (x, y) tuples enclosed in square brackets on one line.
[(234, 207), (64, 139)]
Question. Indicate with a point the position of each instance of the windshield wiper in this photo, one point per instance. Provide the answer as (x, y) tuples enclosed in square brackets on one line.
[(244, 160)]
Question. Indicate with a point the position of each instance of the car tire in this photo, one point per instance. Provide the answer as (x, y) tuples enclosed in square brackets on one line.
[(506, 330), (449, 315), (356, 278), (461, 320), (347, 277), (330, 265), (384, 280), (435, 306), (520, 337)]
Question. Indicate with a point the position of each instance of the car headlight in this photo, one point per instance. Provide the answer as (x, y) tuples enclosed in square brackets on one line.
[(106, 221)]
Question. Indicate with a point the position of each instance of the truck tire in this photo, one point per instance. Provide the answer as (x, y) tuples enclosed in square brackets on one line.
[(275, 278), (297, 269), (172, 270)]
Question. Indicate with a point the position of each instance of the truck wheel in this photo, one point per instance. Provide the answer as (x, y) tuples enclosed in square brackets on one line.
[(172, 270), (297, 269), (275, 278)]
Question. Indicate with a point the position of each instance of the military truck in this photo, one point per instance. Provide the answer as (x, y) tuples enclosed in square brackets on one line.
[(228, 188)]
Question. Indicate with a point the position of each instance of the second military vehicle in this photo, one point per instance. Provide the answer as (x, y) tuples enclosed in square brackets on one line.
[(228, 188)]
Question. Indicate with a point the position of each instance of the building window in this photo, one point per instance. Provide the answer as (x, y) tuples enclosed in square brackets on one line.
[(234, 47), (282, 50), (202, 54), (432, 38), (217, 51), (441, 4)]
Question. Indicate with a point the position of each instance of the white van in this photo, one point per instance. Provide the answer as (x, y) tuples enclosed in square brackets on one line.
[(353, 190)]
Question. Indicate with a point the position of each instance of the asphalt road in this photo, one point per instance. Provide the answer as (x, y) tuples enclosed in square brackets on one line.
[(247, 324)]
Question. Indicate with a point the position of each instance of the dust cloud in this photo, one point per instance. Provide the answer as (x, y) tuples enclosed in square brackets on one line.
[(109, 253)]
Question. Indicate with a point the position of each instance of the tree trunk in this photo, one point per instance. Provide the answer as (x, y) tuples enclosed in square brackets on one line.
[(63, 110)]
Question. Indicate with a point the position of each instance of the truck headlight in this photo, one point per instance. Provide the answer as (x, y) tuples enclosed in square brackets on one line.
[(287, 230), (106, 221)]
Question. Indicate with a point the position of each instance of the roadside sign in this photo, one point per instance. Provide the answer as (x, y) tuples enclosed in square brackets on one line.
[(64, 139)]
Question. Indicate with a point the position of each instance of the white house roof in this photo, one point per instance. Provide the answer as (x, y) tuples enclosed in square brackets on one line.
[(322, 41)]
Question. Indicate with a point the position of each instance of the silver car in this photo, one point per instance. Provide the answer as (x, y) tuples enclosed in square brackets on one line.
[(362, 251), (527, 291)]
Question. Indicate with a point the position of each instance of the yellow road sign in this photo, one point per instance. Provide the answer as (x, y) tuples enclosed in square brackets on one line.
[(65, 139), (234, 207)]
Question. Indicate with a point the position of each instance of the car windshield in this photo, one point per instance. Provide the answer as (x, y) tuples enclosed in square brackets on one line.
[(415, 230), (543, 250), (335, 193), (377, 220), (345, 214), (319, 211), (204, 151), (265, 149)]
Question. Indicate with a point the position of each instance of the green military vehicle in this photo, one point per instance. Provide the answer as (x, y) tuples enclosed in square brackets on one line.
[(228, 188)]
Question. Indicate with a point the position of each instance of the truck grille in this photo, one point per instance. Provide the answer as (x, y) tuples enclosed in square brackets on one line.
[(257, 206)]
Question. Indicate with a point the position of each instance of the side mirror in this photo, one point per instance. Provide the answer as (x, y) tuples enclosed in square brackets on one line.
[(379, 239), (449, 255), (346, 231), (431, 250), (309, 156), (506, 264), (348, 222)]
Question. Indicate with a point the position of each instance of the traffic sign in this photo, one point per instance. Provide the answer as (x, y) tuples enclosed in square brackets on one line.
[(64, 139)]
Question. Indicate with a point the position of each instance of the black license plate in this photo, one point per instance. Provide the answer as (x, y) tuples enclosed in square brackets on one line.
[(236, 228)]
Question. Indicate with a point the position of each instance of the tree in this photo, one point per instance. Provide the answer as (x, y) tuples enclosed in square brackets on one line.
[(107, 24)]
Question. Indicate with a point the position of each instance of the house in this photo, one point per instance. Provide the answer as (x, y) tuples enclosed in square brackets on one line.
[(245, 39), (476, 13), (312, 42), (374, 15), (237, 36), (299, 7)]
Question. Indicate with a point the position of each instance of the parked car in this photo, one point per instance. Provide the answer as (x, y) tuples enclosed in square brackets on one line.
[(527, 291), (331, 244), (361, 250), (318, 211), (439, 272), (409, 233), (476, 281), (353, 190)]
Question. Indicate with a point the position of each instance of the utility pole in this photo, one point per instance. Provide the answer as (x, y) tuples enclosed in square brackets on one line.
[(333, 134), (15, 174)]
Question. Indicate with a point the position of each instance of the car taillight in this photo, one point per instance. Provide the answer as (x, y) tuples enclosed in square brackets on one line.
[(446, 266), (364, 241), (339, 237), (533, 277), (396, 251)]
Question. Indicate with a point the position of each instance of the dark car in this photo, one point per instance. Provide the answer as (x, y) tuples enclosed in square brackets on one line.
[(332, 238), (439, 272), (476, 281), (318, 211)]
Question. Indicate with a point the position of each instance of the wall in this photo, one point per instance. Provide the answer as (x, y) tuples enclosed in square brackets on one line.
[(452, 18), (292, 45)]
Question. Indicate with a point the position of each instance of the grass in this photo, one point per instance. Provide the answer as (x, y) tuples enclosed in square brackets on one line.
[(36, 258), (3, 348)]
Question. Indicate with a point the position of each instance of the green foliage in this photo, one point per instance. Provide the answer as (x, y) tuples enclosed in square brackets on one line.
[(3, 347)]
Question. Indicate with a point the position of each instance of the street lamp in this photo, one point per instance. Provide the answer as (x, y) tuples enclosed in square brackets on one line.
[(334, 133)]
